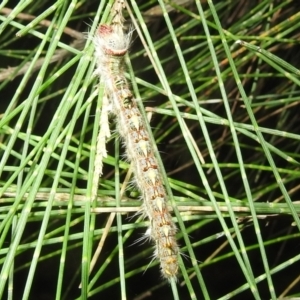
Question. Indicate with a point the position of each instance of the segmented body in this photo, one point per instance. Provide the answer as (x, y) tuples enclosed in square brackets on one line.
[(111, 44)]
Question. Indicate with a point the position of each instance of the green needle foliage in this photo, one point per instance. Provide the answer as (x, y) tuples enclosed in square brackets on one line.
[(219, 81)]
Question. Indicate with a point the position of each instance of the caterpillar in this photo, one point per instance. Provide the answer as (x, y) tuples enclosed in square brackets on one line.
[(111, 45)]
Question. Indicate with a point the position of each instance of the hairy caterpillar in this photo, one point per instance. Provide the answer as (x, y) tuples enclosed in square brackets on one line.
[(111, 45)]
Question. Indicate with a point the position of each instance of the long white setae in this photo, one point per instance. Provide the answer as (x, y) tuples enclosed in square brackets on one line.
[(111, 45)]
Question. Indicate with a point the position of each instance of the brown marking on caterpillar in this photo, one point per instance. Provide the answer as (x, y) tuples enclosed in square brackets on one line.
[(112, 47)]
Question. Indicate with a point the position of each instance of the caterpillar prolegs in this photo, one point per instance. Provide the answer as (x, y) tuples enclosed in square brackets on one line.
[(111, 45)]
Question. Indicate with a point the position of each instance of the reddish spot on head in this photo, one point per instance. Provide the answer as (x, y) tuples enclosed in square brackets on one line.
[(105, 29)]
